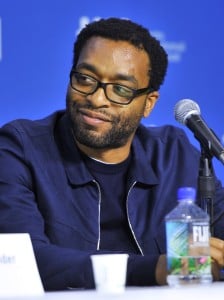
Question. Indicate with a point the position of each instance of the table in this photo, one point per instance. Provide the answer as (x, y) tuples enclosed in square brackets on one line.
[(199, 292)]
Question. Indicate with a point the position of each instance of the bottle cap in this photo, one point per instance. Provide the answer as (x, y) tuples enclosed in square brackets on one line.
[(186, 193)]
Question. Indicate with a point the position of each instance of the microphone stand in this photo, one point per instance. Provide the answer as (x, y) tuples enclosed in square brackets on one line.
[(206, 185)]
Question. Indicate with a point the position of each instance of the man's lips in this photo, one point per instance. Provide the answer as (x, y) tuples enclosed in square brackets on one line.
[(93, 117)]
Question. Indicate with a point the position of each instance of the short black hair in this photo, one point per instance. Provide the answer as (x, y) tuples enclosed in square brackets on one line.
[(118, 29)]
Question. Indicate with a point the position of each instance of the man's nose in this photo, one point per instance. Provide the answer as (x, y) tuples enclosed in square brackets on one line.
[(99, 96)]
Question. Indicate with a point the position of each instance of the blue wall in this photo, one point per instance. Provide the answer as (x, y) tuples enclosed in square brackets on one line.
[(36, 40)]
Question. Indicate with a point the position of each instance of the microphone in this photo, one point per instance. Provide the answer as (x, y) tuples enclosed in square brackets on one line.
[(188, 112)]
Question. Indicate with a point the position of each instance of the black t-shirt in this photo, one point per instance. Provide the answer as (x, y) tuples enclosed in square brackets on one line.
[(115, 233)]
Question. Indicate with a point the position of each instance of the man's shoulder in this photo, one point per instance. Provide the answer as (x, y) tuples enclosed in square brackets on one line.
[(163, 142), (166, 138), (160, 133), (34, 127)]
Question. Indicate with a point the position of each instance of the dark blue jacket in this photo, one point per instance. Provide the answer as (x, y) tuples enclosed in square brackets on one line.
[(47, 191)]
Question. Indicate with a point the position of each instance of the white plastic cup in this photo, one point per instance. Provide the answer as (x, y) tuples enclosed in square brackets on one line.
[(109, 272)]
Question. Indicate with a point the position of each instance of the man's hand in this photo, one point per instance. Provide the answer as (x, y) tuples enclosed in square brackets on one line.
[(217, 255), (161, 270)]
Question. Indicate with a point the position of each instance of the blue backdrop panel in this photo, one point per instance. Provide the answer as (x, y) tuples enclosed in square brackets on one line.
[(36, 40)]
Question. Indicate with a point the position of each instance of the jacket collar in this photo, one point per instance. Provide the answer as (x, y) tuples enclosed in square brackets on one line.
[(141, 169)]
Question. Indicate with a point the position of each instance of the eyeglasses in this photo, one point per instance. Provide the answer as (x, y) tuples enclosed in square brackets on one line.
[(116, 93)]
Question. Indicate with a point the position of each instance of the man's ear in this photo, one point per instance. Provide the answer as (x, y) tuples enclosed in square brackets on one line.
[(150, 102)]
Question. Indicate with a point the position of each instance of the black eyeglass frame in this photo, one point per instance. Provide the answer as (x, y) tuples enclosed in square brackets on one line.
[(103, 85)]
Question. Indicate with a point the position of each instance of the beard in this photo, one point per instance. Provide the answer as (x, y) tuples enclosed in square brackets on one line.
[(122, 127)]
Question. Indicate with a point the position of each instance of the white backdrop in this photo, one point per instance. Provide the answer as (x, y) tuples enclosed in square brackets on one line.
[(36, 40)]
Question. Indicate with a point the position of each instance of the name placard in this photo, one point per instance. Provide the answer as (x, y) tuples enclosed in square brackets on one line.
[(19, 275)]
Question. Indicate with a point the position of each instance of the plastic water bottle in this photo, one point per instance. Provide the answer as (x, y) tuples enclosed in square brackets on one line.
[(187, 236)]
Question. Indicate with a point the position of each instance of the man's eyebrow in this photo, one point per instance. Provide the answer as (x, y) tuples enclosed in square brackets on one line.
[(129, 78), (117, 76), (86, 66)]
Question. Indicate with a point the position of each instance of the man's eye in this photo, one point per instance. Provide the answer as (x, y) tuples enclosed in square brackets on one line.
[(84, 80), (122, 91)]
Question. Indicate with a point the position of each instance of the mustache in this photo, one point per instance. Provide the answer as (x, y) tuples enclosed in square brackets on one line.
[(93, 109)]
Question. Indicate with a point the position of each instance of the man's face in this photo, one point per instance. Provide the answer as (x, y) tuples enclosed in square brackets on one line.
[(97, 122)]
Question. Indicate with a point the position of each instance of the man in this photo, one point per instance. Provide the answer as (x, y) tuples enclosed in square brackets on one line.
[(91, 179)]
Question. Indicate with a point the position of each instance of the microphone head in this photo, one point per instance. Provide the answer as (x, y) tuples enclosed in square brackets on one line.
[(184, 109)]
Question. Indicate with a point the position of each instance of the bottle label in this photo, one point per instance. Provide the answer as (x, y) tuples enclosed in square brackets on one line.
[(188, 250)]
